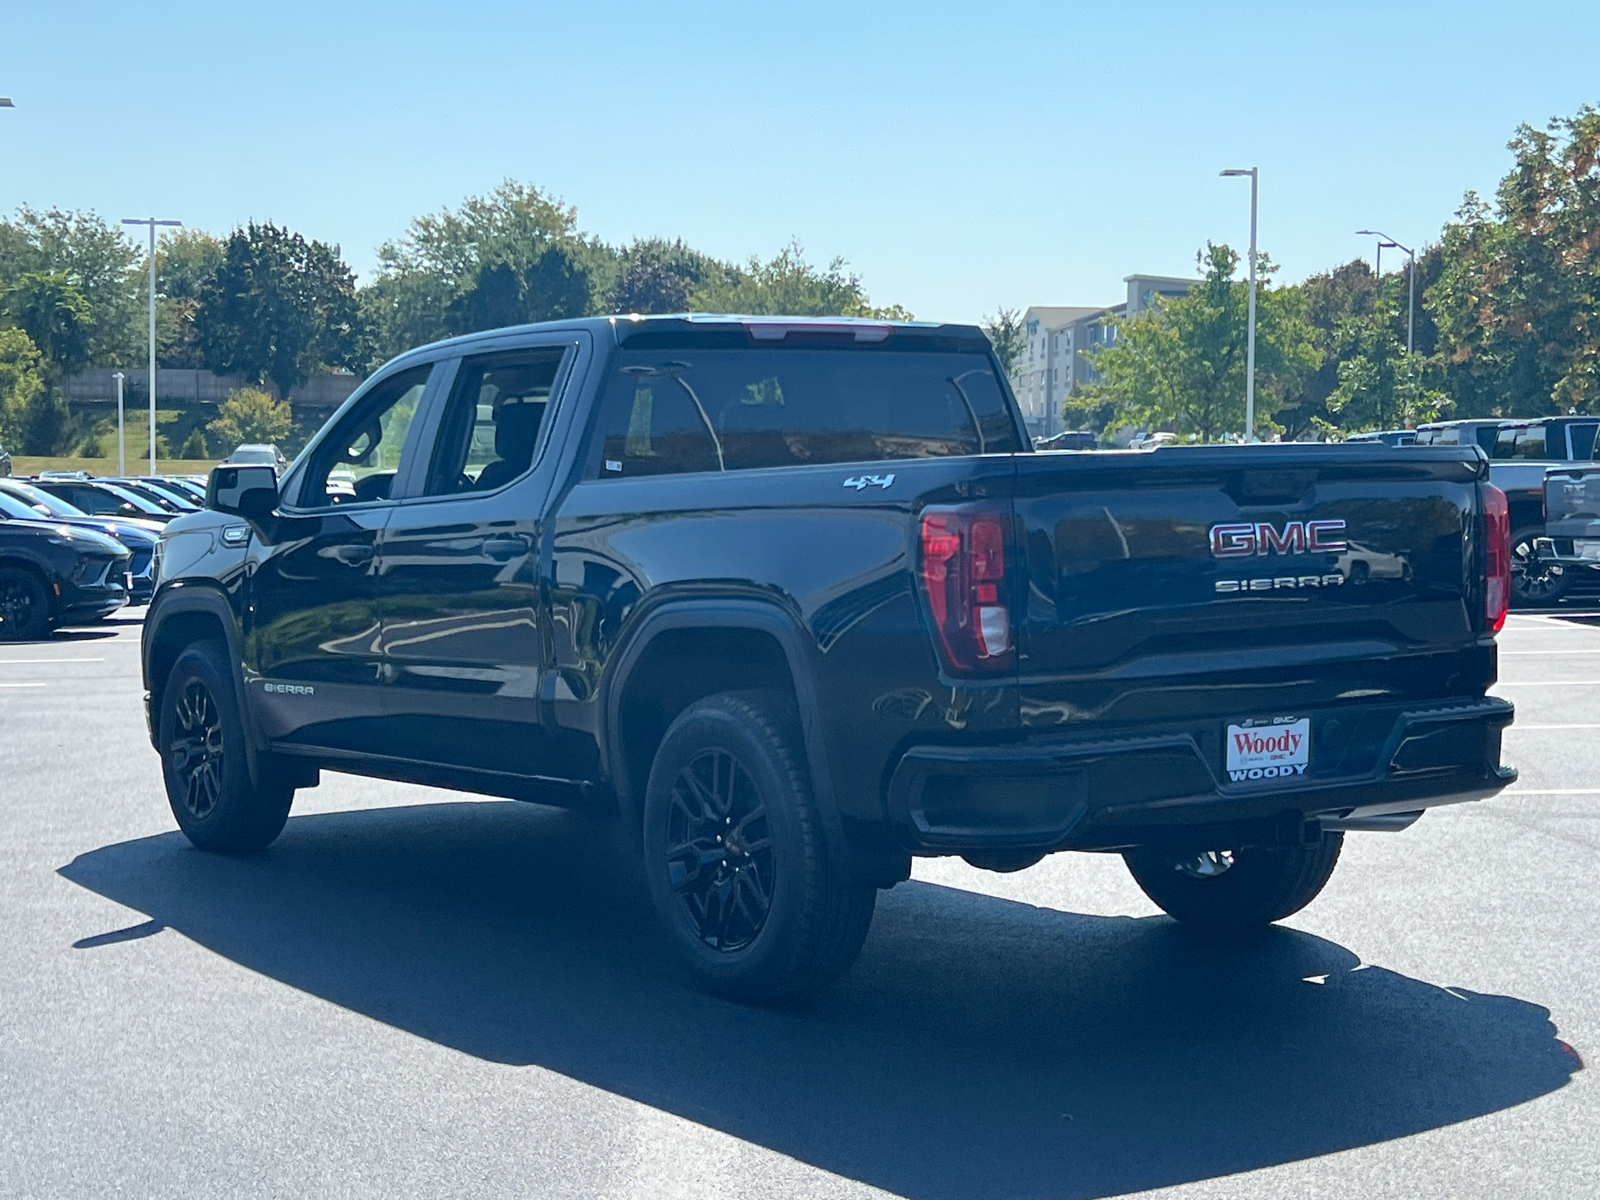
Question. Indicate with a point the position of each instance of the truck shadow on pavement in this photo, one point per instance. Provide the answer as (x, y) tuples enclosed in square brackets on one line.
[(979, 1046)]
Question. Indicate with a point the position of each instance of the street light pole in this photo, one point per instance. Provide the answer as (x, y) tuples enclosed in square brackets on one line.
[(1250, 351), (122, 444), (152, 223), (1411, 300)]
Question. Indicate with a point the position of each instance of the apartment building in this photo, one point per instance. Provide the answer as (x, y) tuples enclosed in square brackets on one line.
[(1061, 340)]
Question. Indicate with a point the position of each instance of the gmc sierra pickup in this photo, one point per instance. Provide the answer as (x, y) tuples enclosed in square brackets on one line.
[(796, 601)]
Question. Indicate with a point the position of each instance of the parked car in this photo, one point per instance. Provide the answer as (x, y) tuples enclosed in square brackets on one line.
[(139, 537), (255, 454), (796, 601), (1149, 441), (168, 498), (1389, 437), (100, 498), (53, 575), (1569, 550), (1524, 452), (1071, 439), (1477, 432), (180, 486)]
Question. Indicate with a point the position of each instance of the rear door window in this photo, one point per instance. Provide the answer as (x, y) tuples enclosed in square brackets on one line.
[(690, 409), (491, 427), (1582, 441)]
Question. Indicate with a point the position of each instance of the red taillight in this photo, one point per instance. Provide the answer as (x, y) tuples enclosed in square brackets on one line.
[(1496, 557), (964, 575)]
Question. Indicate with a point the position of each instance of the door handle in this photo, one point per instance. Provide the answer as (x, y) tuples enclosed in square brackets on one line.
[(502, 548), (354, 555)]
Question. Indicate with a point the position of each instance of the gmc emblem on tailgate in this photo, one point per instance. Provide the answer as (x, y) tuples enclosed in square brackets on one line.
[(1260, 538)]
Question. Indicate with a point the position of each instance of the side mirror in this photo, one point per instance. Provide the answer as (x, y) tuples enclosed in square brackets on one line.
[(248, 492)]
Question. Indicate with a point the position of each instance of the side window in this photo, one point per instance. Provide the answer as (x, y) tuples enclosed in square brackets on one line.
[(490, 430), (1486, 439), (1583, 441), (737, 409), (656, 425), (357, 462)]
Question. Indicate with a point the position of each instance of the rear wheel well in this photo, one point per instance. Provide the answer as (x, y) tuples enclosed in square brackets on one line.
[(678, 667), (177, 633)]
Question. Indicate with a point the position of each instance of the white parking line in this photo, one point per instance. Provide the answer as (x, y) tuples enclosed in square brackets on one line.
[(1546, 653), (33, 662), (1519, 726), (20, 685), (1549, 683), (1554, 792)]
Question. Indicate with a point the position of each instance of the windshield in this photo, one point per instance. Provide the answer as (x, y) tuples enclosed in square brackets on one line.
[(133, 498), (254, 456), (13, 509), (32, 495)]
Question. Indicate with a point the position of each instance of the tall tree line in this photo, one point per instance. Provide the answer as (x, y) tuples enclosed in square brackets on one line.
[(1505, 321), (269, 304)]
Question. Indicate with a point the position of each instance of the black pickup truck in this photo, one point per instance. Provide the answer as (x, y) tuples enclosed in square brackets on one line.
[(796, 601)]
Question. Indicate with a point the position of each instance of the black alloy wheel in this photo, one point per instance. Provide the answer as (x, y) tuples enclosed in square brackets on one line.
[(24, 606), (202, 742), (739, 867), (196, 753), (719, 851), (1534, 579)]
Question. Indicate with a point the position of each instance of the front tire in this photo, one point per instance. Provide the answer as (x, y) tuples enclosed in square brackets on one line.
[(737, 861), (24, 606), (1232, 892), (202, 742)]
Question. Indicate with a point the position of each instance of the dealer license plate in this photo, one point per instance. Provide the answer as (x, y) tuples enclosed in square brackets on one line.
[(1274, 748)]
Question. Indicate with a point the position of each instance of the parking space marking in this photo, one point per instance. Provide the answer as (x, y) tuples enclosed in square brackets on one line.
[(22, 685), (1546, 653), (1524, 727), (33, 662), (1554, 792), (1546, 683)]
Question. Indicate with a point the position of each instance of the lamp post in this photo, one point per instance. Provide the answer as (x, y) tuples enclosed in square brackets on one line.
[(1250, 344), (1411, 301), (152, 223), (122, 445)]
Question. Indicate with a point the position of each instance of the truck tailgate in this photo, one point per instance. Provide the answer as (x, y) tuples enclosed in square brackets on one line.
[(1251, 581)]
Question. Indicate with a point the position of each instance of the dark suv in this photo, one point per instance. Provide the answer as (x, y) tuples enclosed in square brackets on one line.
[(794, 601)]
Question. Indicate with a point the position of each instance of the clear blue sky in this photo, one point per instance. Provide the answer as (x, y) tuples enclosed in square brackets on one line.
[(959, 157)]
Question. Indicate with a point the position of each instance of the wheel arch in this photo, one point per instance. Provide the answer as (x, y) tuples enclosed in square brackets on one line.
[(178, 618), (726, 645)]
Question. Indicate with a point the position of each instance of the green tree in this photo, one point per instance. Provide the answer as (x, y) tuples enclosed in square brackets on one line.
[(20, 381), (1181, 364), (99, 263), (788, 285), (187, 261), (194, 446), (1007, 335), (417, 294), (553, 287), (47, 424), (1380, 386), (279, 308), (1515, 300), (658, 276), (250, 415), (55, 315)]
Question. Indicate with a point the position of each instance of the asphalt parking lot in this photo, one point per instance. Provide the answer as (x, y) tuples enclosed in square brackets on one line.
[(420, 993)]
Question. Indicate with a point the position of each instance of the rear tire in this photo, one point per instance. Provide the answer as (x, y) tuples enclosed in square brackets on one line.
[(24, 606), (1259, 886), (736, 857), (202, 742), (1534, 581)]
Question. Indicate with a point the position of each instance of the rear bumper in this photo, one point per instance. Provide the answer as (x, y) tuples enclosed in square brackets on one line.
[(1169, 785)]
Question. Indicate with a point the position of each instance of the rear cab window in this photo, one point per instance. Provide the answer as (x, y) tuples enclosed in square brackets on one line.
[(721, 406)]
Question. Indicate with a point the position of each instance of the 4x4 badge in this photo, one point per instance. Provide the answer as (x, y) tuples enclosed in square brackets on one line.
[(861, 482)]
